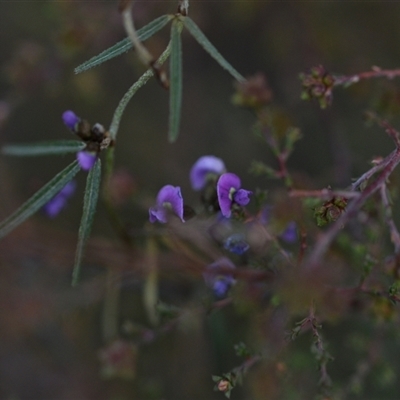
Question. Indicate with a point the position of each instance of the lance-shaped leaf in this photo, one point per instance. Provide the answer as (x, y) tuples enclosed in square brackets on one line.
[(39, 199), (89, 208), (43, 148), (175, 89), (126, 44), (209, 47)]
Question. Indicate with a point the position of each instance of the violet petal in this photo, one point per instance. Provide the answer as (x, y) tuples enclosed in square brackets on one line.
[(226, 185), (289, 235), (236, 244), (219, 282), (54, 206), (86, 159), (202, 168), (242, 197), (169, 197), (158, 214), (70, 119)]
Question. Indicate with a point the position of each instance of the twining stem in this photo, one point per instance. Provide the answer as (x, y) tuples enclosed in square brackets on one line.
[(131, 91)]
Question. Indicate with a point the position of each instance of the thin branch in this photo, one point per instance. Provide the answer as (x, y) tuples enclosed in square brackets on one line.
[(324, 194), (376, 72), (144, 55), (353, 207)]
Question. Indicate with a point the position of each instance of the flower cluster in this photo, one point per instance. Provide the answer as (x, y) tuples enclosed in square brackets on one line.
[(208, 169), (95, 137), (318, 84)]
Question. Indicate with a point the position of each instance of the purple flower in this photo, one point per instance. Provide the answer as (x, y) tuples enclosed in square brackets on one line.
[(289, 235), (219, 281), (53, 207), (229, 193), (86, 159), (236, 244), (203, 168), (169, 199), (70, 119)]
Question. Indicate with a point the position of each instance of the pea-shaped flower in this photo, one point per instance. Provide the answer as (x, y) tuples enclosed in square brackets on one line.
[(169, 199), (229, 192), (219, 282), (205, 168)]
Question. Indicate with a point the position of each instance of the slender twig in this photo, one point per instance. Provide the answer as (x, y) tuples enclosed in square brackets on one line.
[(353, 207), (378, 167), (131, 91), (375, 73), (144, 55), (324, 194)]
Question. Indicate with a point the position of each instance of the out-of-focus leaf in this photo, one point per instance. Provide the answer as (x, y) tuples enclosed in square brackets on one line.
[(209, 47), (175, 89), (124, 45), (39, 199), (89, 208), (43, 148)]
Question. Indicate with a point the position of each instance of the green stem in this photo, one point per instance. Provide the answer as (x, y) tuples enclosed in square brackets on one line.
[(131, 91)]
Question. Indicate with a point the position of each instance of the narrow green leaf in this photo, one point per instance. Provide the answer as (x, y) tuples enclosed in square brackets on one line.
[(209, 47), (175, 89), (124, 45), (89, 208), (43, 148), (39, 199)]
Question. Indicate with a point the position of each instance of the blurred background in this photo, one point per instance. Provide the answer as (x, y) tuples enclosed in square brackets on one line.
[(53, 340)]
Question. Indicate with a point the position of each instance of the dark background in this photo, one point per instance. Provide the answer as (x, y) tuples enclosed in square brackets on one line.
[(50, 335)]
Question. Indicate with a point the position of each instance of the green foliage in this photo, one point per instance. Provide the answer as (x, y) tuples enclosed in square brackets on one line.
[(89, 208), (124, 45), (175, 98), (209, 47), (43, 148)]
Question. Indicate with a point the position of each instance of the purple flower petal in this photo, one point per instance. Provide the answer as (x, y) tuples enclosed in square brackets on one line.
[(227, 184), (86, 159), (289, 235), (70, 119), (219, 282), (168, 198), (242, 197), (158, 214), (202, 168), (236, 244), (53, 207)]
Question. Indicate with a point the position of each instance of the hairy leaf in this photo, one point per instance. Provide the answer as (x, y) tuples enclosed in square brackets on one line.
[(209, 47), (124, 45), (89, 208), (175, 90), (43, 148)]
